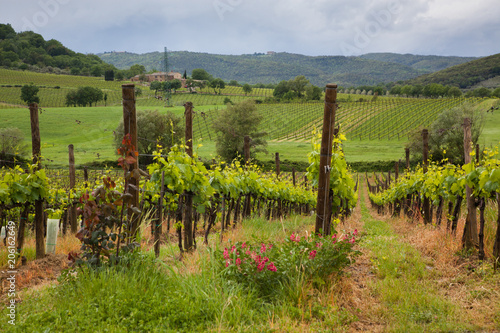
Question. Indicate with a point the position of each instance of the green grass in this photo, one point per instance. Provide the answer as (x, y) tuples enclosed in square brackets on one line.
[(372, 128), (491, 132), (145, 295), (406, 287), (92, 135)]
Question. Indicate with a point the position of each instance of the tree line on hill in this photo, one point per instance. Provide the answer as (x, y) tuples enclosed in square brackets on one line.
[(431, 90), (464, 75), (279, 66), (28, 50)]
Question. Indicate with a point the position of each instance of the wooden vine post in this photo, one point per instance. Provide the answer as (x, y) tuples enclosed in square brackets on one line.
[(397, 204), (35, 148), (277, 161), (188, 198), (246, 206), (188, 113), (407, 205), (159, 217), (470, 236), (496, 245), (130, 128), (322, 209), (72, 182), (246, 147), (407, 154), (426, 203)]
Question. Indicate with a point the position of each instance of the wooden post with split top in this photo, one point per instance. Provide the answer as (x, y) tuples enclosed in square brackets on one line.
[(325, 158)]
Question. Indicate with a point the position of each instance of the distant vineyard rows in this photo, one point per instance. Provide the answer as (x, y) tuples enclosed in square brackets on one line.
[(386, 118), (54, 88)]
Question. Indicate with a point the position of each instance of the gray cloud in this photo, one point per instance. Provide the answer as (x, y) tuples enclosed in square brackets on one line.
[(314, 27)]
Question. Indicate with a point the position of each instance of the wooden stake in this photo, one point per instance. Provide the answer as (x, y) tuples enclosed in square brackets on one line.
[(247, 149), (325, 158), (85, 176), (72, 182), (246, 206), (496, 244), (130, 127), (159, 219), (188, 113), (277, 160), (407, 153), (426, 203), (470, 238), (35, 144), (188, 197)]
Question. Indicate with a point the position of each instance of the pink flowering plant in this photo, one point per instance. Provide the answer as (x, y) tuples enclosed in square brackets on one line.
[(267, 267)]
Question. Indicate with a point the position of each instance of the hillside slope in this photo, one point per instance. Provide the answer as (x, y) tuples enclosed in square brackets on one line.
[(464, 75), (264, 68), (424, 63)]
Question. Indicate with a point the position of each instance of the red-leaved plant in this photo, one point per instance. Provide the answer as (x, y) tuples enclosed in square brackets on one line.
[(105, 226)]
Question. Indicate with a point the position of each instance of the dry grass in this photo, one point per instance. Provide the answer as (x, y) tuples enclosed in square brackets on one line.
[(458, 277)]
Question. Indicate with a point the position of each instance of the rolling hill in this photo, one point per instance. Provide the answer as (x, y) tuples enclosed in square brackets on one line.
[(370, 69), (464, 75), (424, 63)]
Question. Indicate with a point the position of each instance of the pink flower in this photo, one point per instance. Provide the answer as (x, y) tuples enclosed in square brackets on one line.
[(271, 267), (238, 261), (261, 266), (334, 236), (233, 249), (352, 240), (263, 248), (227, 263), (312, 254), (243, 245), (266, 259), (292, 237), (270, 246), (226, 254), (319, 244), (355, 233), (247, 252)]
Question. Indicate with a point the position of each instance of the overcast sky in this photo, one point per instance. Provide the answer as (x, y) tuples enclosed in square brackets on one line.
[(312, 27)]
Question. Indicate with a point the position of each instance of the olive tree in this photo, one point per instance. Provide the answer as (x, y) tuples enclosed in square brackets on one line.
[(233, 124), (446, 134), (29, 94), (153, 127)]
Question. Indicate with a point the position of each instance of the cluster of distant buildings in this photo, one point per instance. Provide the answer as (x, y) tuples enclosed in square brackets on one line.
[(159, 76)]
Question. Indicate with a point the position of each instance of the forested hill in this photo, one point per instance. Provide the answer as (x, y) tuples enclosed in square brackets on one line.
[(424, 63), (29, 50), (464, 75), (273, 68)]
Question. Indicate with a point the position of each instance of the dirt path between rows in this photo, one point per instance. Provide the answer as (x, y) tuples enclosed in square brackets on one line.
[(461, 280)]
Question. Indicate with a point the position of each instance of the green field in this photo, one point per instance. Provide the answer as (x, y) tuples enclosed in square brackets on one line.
[(53, 90), (90, 130), (376, 130)]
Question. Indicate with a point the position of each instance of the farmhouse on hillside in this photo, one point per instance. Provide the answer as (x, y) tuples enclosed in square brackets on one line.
[(158, 76)]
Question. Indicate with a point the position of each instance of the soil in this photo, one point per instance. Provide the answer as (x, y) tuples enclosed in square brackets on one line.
[(35, 273)]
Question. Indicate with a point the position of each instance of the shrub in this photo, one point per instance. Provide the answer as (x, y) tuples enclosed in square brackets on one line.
[(268, 268)]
